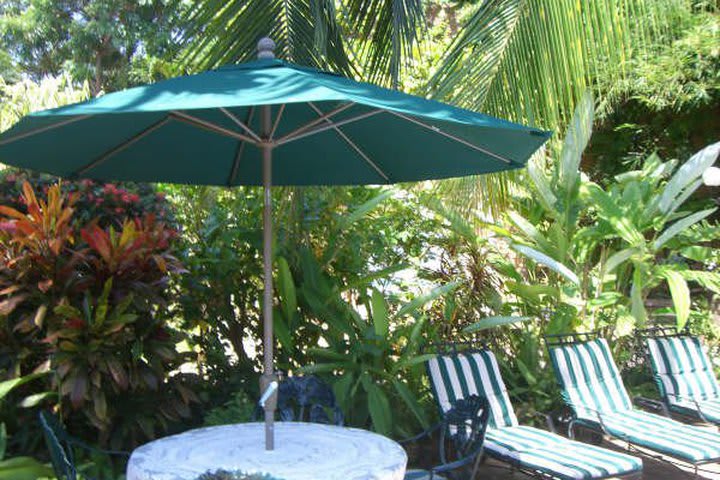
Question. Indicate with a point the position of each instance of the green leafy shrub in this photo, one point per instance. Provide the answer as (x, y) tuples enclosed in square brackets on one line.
[(238, 409), (92, 304), (227, 475), (109, 204)]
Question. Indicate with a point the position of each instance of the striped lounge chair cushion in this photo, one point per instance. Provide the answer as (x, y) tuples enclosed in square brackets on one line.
[(457, 376), (592, 386), (684, 375), (552, 454)]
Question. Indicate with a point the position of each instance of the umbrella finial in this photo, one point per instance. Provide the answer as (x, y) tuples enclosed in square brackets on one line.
[(266, 48)]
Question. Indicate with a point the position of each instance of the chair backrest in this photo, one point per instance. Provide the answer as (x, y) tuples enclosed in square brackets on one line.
[(681, 368), (464, 427), (308, 399), (458, 375), (56, 439), (589, 378)]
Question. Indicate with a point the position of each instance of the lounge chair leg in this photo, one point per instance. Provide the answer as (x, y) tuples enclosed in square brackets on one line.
[(476, 466)]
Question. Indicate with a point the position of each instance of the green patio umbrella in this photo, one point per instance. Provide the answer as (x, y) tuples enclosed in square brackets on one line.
[(262, 123)]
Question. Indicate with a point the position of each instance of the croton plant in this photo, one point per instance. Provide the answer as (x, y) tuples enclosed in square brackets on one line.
[(89, 300)]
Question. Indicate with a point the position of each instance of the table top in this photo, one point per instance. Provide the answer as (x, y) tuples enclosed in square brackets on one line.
[(303, 451)]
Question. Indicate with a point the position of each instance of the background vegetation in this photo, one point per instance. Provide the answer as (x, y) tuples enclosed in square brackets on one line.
[(132, 310)]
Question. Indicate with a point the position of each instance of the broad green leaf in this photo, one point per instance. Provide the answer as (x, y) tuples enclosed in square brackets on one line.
[(421, 300), (322, 368), (542, 185), (380, 319), (683, 197), (576, 139), (605, 299), (552, 264), (637, 304), (681, 225), (415, 360), (365, 208), (697, 253), (8, 385), (492, 322), (526, 373), (379, 408), (376, 275), (688, 173), (282, 332), (24, 468), (286, 288), (327, 353), (680, 294), (35, 399), (411, 401), (709, 280), (3, 440), (531, 232), (612, 214), (102, 303), (618, 258)]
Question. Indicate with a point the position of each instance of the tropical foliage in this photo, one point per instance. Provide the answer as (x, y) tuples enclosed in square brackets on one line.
[(132, 310)]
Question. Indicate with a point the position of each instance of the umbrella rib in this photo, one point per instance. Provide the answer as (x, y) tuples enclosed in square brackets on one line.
[(239, 152), (122, 146), (289, 138), (317, 121), (241, 124), (20, 136), (351, 143), (200, 123), (452, 137), (277, 121)]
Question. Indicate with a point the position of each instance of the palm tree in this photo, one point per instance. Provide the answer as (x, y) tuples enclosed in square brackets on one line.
[(525, 60)]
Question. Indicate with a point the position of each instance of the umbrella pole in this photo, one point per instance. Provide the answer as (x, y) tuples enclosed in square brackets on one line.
[(268, 376), (268, 380)]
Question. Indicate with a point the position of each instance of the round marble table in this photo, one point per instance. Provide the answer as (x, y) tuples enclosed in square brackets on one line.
[(303, 451)]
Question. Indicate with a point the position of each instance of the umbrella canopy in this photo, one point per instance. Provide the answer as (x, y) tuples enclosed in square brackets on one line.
[(262, 123), (326, 129)]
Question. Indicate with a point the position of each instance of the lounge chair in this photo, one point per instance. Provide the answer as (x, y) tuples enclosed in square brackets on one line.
[(455, 375), (592, 387), (683, 373)]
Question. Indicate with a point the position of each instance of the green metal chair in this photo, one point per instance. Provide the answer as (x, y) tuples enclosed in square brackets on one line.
[(61, 447), (461, 438)]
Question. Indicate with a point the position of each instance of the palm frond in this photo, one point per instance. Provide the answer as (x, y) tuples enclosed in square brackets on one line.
[(388, 30), (530, 61), (305, 31)]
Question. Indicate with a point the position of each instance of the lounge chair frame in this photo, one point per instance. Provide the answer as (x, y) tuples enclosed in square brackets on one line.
[(565, 339), (473, 346)]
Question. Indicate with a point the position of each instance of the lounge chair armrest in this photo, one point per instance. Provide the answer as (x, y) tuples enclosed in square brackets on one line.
[(651, 405), (549, 422)]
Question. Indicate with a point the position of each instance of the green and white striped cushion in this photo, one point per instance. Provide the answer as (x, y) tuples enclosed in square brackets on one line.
[(460, 375), (456, 376), (664, 435), (589, 378), (684, 374), (591, 383), (558, 456)]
